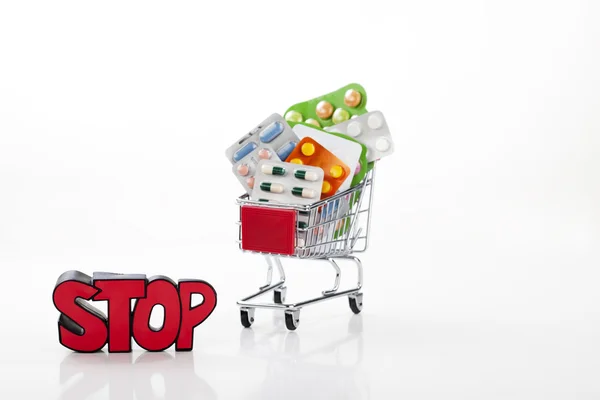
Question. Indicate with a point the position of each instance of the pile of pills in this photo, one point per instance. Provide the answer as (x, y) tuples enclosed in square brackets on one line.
[(318, 148), (348, 150), (372, 130), (245, 168), (330, 109), (310, 152), (271, 139), (289, 183)]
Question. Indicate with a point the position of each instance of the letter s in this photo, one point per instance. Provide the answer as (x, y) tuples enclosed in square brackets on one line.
[(81, 327)]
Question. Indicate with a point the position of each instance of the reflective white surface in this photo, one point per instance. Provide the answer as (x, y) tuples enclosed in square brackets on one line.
[(482, 278), (333, 354), (271, 364)]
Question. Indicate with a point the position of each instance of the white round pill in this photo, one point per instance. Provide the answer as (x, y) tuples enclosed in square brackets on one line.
[(375, 121), (382, 144), (354, 129)]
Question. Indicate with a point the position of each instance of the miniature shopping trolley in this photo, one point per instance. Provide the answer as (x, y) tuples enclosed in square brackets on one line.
[(329, 231)]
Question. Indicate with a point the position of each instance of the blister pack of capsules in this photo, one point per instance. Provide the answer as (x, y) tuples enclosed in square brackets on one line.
[(273, 131), (287, 183), (245, 169), (311, 152), (271, 139), (330, 109), (372, 130), (346, 149)]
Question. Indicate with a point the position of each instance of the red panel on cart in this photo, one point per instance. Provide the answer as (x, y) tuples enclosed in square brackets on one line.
[(269, 230)]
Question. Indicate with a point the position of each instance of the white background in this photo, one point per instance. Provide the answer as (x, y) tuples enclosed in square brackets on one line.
[(482, 278)]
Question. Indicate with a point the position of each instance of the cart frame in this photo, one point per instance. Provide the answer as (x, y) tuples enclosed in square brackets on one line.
[(331, 232)]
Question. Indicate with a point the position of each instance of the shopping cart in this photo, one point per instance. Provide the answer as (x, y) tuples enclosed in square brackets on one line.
[(329, 230)]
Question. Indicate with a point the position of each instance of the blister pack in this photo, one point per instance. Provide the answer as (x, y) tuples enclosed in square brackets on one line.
[(331, 108), (372, 130), (311, 152), (348, 151), (273, 131), (302, 232), (287, 183), (245, 169)]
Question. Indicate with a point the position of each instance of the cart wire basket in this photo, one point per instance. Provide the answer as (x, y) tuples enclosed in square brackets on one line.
[(328, 231)]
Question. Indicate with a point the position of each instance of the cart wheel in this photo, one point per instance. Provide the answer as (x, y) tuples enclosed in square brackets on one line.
[(279, 295), (356, 302), (247, 316), (292, 319)]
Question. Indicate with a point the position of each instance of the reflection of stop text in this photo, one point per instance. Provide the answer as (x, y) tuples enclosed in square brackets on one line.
[(163, 375)]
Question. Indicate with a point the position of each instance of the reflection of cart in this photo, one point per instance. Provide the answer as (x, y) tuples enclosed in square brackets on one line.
[(329, 230), (310, 367)]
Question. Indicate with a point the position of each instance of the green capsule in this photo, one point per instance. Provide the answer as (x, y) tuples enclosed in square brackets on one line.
[(272, 170), (306, 175), (303, 192), (302, 225), (271, 187)]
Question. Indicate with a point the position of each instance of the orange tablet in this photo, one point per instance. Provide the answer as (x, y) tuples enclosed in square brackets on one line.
[(310, 152)]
